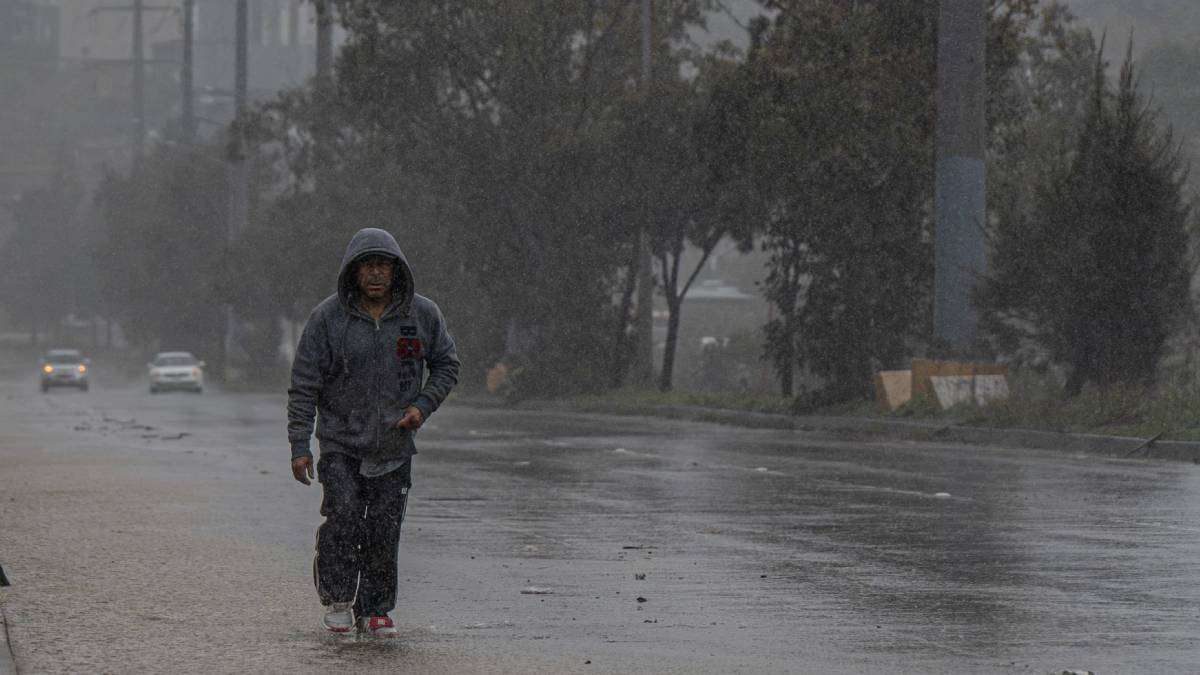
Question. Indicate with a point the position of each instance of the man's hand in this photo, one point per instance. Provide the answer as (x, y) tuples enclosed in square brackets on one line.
[(412, 419), (302, 469)]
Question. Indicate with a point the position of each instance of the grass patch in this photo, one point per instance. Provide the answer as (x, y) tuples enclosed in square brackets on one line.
[(1124, 410), (1035, 402), (632, 399)]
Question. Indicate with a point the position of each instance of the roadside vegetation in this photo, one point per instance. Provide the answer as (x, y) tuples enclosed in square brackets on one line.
[(1169, 412), (523, 158)]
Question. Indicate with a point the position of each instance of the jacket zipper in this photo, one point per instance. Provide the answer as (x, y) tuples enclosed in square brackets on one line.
[(378, 392)]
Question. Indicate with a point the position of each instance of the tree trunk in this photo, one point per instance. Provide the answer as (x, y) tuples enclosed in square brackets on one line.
[(1082, 364), (787, 368), (1074, 384), (668, 365), (621, 346)]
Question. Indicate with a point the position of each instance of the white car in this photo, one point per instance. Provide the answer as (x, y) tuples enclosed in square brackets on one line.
[(176, 370)]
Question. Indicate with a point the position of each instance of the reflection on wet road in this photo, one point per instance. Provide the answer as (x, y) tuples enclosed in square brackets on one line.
[(652, 545)]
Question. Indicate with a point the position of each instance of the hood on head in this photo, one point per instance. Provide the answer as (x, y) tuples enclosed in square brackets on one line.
[(372, 241)]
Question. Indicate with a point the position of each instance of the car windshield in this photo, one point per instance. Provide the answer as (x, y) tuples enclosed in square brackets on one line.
[(175, 360), (63, 357)]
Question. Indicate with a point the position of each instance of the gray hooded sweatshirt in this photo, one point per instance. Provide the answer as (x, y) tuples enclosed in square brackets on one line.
[(355, 376)]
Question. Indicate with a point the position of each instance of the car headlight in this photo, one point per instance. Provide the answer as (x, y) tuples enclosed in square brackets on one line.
[(47, 369), (82, 368)]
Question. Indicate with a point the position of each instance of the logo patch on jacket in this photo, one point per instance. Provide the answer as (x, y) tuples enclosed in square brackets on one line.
[(409, 348)]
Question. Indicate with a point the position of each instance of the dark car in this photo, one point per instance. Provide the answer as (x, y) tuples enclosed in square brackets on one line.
[(64, 368)]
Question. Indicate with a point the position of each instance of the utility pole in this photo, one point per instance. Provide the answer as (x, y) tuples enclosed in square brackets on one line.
[(643, 322), (138, 8), (241, 57), (239, 192), (323, 89), (293, 24), (960, 253), (188, 115), (139, 85), (324, 40)]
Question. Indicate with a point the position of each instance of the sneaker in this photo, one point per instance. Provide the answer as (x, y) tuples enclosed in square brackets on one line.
[(377, 626), (338, 618)]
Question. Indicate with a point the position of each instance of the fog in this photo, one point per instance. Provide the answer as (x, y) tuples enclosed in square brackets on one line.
[(524, 183), (792, 335)]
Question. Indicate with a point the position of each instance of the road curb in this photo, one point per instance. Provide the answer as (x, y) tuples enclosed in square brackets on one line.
[(1065, 442)]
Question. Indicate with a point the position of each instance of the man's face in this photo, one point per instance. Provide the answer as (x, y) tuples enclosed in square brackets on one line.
[(374, 276)]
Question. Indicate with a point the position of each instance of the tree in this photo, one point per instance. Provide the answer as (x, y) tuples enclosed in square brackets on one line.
[(666, 182), (43, 264), (1097, 273), (838, 108), (834, 112), (481, 133), (1036, 108), (164, 252)]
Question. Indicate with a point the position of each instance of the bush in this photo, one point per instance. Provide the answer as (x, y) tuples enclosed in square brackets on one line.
[(1096, 274)]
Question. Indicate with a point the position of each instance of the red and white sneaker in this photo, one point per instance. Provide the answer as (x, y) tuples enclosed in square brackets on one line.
[(338, 618), (377, 626)]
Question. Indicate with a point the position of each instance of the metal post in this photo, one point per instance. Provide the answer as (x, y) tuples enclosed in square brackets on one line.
[(139, 85), (293, 24), (960, 255), (239, 190), (187, 121), (643, 362), (324, 40), (647, 34), (242, 37)]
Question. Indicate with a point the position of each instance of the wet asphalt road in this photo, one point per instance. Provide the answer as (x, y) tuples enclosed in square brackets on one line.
[(147, 533)]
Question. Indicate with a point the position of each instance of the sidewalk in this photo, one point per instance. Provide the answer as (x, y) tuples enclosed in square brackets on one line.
[(1071, 443)]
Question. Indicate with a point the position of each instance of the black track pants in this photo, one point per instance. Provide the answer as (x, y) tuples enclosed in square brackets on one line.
[(359, 540)]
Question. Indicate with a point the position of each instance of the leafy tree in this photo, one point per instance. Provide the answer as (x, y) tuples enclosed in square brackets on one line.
[(1037, 106), (834, 113), (44, 268), (481, 133), (163, 253), (838, 108), (665, 182), (1096, 273)]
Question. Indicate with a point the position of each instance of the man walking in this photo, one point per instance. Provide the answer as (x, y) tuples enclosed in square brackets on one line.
[(373, 363)]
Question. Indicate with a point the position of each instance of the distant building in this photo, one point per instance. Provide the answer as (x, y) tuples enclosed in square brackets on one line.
[(28, 30), (281, 55), (67, 66)]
